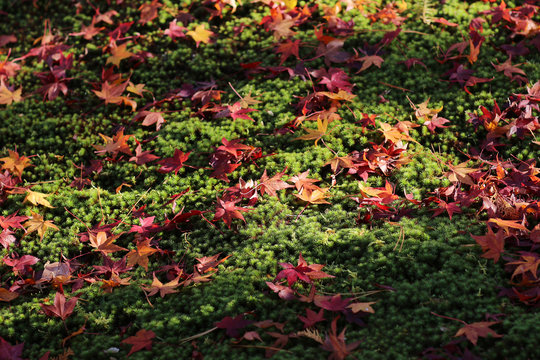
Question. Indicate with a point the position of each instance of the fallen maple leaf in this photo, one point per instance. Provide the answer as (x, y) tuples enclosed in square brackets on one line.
[(273, 184), (478, 329), (163, 289), (174, 163), (528, 262), (312, 317), (200, 34), (60, 308), (140, 255), (460, 173), (7, 96), (103, 244), (316, 135), (175, 31), (150, 118), (11, 352), (36, 223), (227, 210), (302, 271), (149, 11), (118, 54), (37, 198), (368, 61), (209, 263), (492, 244), (141, 340), (506, 225), (336, 343), (315, 196), (14, 163), (362, 306), (232, 326), (7, 296)]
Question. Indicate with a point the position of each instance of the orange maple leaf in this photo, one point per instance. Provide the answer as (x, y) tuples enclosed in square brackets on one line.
[(140, 255), (14, 163), (474, 330), (118, 54), (103, 244), (36, 223)]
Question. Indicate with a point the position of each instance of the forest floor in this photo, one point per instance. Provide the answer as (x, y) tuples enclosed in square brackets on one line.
[(250, 179)]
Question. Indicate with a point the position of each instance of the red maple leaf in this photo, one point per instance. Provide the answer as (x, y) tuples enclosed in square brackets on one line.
[(150, 118), (436, 122), (288, 48), (174, 163), (143, 157), (7, 238), (284, 292), (141, 340), (12, 221), (335, 80), (332, 303), (233, 147), (10, 352), (450, 208), (227, 210), (302, 271), (175, 31), (312, 317), (232, 326), (492, 244), (335, 343), (22, 264), (238, 112), (61, 308)]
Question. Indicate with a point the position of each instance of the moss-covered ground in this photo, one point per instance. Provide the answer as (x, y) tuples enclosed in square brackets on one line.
[(410, 263)]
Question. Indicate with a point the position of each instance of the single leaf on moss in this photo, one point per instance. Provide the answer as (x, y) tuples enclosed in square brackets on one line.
[(37, 223), (200, 34), (60, 308), (140, 255), (322, 126), (314, 196), (118, 54), (14, 163), (163, 289), (7, 96), (478, 329), (37, 198), (141, 340), (105, 244)]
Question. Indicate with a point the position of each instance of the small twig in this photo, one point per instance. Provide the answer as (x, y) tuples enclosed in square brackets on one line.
[(449, 318), (393, 86), (193, 337)]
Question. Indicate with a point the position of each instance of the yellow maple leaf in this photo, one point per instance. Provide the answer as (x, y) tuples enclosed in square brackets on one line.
[(37, 198), (322, 126), (7, 96), (290, 4), (422, 112), (36, 223), (200, 34), (118, 54)]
